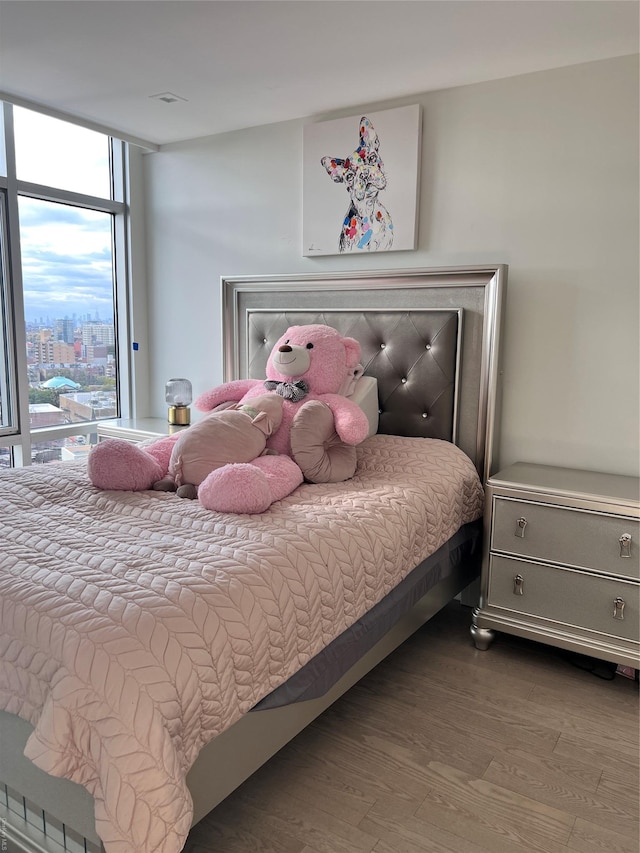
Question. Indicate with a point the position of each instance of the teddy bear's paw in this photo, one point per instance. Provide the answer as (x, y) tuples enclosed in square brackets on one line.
[(188, 491), (164, 485), (282, 473), (120, 465), (240, 488)]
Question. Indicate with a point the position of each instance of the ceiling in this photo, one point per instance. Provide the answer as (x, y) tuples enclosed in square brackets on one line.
[(241, 63)]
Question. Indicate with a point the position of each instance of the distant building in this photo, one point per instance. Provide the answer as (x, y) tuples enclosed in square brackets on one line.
[(89, 405), (53, 352), (45, 414), (96, 354), (60, 383), (64, 330), (98, 333), (74, 453)]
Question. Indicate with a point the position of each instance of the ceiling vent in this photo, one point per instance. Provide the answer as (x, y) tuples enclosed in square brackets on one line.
[(167, 97)]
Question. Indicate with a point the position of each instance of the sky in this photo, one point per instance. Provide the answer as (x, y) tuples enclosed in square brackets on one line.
[(66, 250)]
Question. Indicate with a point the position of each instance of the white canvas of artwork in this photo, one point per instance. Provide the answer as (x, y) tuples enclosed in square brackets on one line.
[(360, 183)]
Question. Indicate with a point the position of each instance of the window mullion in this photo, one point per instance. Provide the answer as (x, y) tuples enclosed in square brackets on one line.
[(53, 194), (122, 294), (16, 320), (8, 394)]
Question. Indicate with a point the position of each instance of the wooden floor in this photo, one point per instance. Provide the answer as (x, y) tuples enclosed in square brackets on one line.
[(445, 748)]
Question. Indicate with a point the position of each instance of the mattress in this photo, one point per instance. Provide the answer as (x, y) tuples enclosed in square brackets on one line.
[(135, 627)]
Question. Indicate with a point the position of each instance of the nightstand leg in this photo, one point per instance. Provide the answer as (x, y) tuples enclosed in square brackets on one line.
[(482, 637)]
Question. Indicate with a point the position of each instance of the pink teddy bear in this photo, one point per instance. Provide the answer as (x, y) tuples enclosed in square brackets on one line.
[(308, 363)]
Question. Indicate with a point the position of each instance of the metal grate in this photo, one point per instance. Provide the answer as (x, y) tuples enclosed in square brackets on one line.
[(24, 826)]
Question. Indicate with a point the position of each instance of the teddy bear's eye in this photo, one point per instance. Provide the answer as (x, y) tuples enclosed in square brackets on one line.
[(309, 346), (286, 342)]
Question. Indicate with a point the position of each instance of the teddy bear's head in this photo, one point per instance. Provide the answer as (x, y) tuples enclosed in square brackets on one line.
[(318, 354)]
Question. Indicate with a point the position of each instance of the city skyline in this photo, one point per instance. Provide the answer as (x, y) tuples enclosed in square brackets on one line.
[(50, 321)]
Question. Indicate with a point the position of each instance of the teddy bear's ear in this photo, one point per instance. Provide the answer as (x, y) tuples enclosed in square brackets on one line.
[(352, 351), (264, 422)]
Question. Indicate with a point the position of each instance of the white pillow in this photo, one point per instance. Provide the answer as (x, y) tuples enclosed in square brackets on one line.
[(365, 394)]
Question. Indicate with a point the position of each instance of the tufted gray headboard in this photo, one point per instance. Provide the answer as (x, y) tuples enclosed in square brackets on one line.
[(430, 337)]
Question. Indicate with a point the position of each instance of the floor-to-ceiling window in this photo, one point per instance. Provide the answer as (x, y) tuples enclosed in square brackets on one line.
[(63, 266)]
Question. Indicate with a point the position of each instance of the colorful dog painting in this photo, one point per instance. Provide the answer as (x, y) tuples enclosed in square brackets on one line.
[(367, 225)]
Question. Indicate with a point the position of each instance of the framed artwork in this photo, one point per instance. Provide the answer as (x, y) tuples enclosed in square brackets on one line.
[(360, 183)]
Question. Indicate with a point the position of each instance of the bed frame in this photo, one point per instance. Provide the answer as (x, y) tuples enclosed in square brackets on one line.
[(401, 319)]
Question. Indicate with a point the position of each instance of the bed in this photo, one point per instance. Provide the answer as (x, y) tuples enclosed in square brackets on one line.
[(176, 650)]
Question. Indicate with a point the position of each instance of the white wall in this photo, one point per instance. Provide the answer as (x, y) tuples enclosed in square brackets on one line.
[(538, 171)]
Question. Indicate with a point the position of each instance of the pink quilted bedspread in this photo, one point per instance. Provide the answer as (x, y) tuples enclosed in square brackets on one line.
[(135, 627)]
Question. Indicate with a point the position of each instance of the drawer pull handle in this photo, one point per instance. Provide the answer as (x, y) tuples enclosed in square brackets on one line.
[(518, 585), (521, 524), (618, 608), (625, 545)]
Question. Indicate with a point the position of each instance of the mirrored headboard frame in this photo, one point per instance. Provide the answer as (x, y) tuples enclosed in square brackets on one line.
[(478, 292)]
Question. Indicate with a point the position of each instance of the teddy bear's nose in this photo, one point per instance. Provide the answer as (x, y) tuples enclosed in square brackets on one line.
[(285, 348)]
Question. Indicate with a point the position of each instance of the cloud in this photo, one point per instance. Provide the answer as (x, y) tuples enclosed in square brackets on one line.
[(66, 260)]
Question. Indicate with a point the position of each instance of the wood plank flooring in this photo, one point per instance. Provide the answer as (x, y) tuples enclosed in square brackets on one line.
[(446, 749)]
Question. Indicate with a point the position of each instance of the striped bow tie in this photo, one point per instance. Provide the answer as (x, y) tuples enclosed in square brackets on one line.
[(289, 390)]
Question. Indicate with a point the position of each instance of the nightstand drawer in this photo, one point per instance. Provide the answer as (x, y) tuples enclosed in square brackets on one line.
[(594, 603), (573, 537)]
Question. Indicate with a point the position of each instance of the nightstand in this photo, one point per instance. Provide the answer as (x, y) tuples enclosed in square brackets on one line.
[(561, 561), (136, 429)]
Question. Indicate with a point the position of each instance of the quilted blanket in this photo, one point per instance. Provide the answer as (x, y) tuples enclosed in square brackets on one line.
[(135, 627)]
